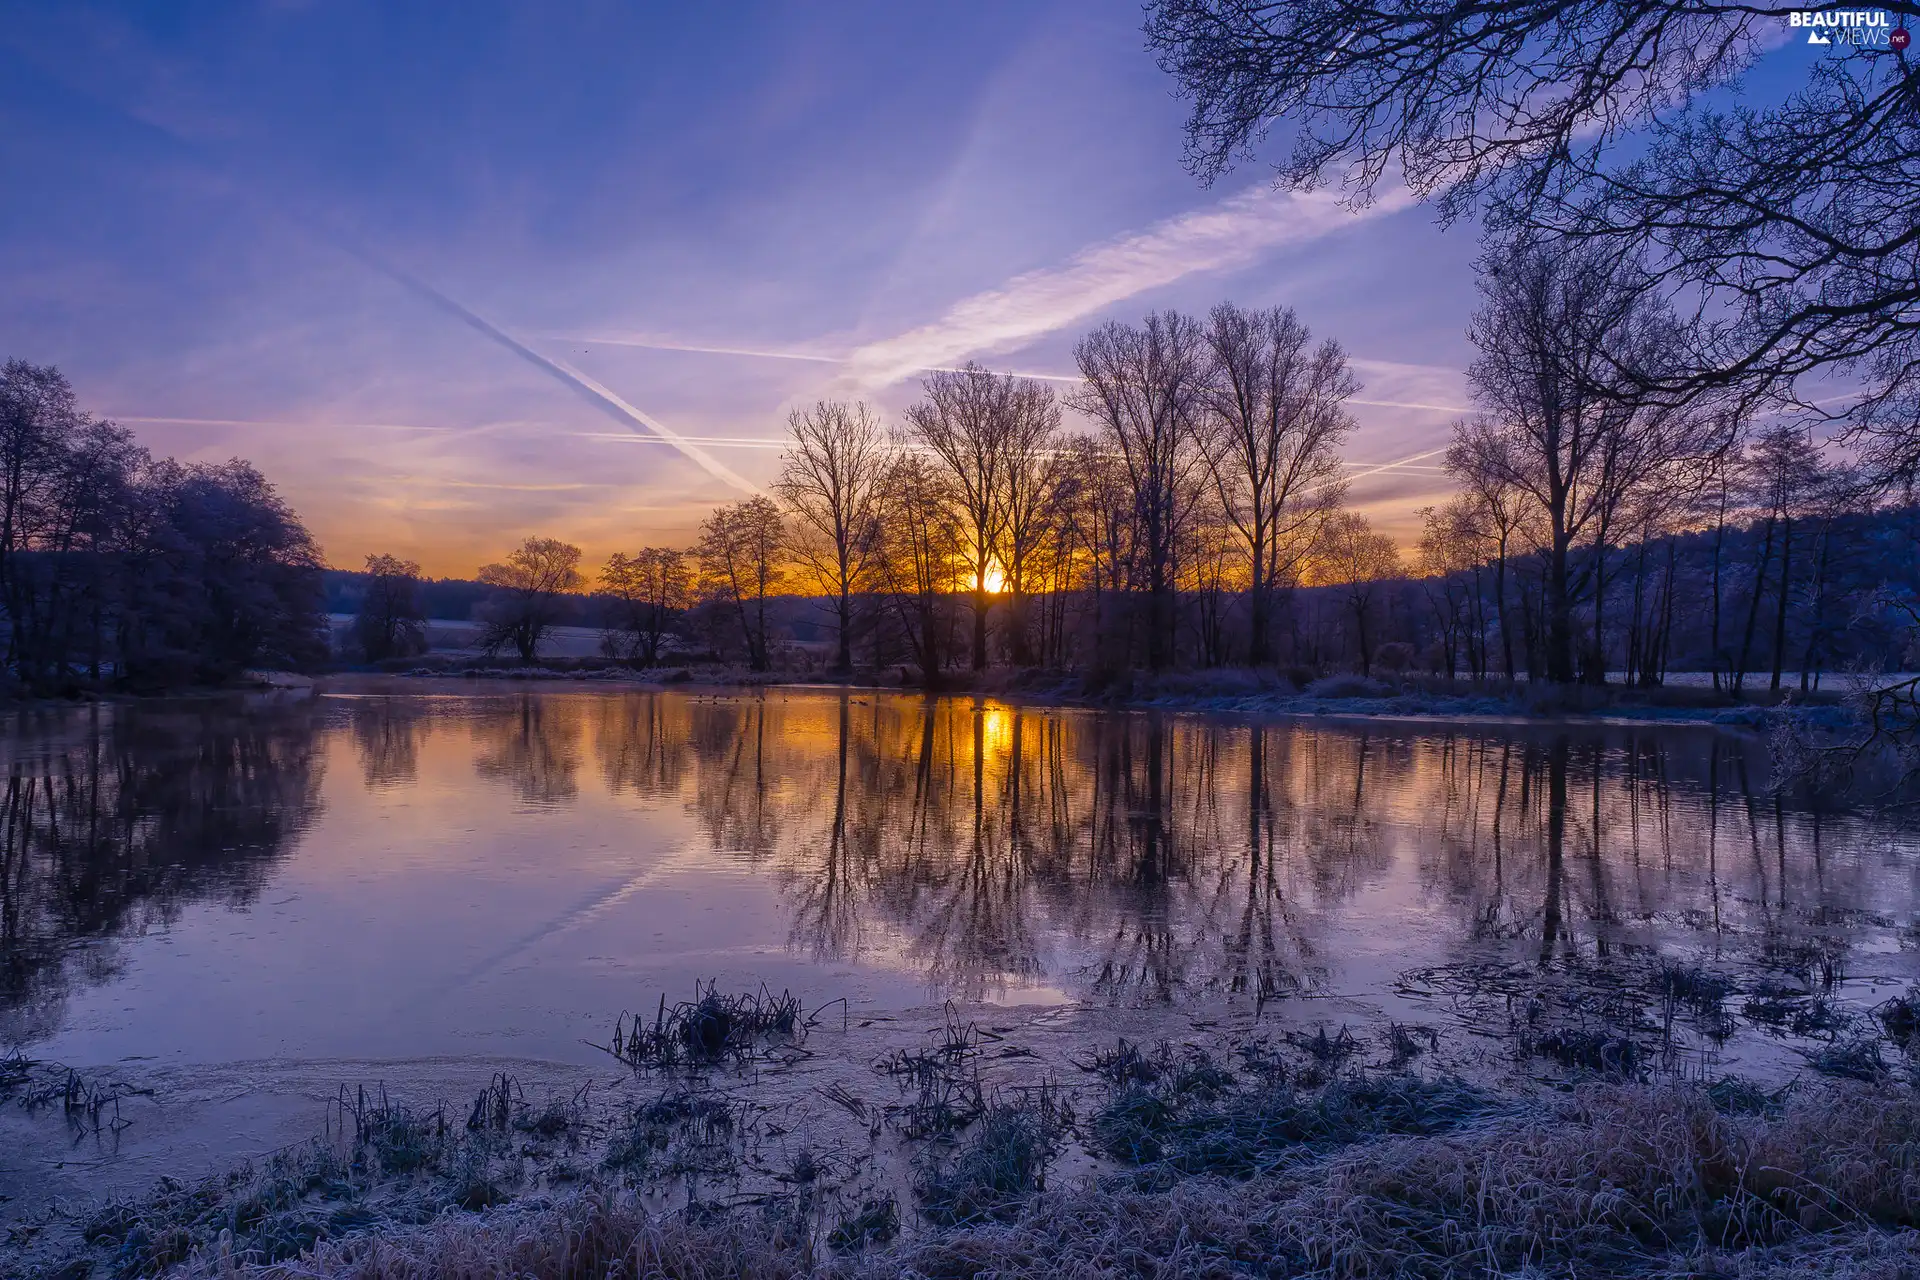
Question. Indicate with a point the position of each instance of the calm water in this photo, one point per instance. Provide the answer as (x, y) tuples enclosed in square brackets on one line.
[(500, 872)]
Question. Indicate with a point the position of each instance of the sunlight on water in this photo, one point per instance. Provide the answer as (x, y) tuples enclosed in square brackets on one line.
[(383, 875)]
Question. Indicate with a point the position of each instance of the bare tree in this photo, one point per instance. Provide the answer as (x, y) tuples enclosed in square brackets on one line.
[(1789, 226), (964, 421), (1276, 420), (650, 591), (1784, 476), (1097, 509), (923, 536), (527, 600), (830, 480), (390, 623), (1450, 554), (1146, 389), (1208, 547), (740, 552), (1358, 561), (1029, 476), (1560, 427), (1480, 459)]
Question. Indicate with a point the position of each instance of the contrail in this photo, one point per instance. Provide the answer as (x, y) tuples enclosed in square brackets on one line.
[(811, 357), (1232, 233), (271, 422), (1376, 468), (665, 344), (1410, 404), (601, 397)]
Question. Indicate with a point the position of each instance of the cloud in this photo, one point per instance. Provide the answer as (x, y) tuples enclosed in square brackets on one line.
[(274, 422), (652, 343), (1231, 234), (1391, 384), (599, 396), (1363, 470)]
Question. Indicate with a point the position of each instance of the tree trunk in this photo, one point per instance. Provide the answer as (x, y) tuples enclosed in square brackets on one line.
[(760, 633), (1360, 626), (1596, 672), (1817, 621), (1719, 538), (1259, 648), (843, 661), (1780, 614), (981, 604), (1500, 609), (1753, 609), (1559, 615)]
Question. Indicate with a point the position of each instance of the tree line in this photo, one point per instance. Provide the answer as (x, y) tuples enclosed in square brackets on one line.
[(1677, 265), (122, 570), (1199, 475), (1183, 504)]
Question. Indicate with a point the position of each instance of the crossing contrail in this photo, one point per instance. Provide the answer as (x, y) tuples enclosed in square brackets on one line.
[(1375, 469), (601, 397)]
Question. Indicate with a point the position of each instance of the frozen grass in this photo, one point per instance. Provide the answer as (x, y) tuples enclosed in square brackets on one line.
[(710, 1029), (1280, 1157), (1611, 1180), (1195, 1122), (1000, 1166)]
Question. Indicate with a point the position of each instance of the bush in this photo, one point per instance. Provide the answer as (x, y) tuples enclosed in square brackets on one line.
[(1394, 655), (1347, 685)]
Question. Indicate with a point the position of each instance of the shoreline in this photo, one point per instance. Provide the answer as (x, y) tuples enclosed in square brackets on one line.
[(951, 1141), (1237, 693), (1227, 692)]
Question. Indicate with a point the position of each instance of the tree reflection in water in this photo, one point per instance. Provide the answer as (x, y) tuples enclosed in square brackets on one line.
[(388, 734), (116, 818), (532, 743), (1137, 856), (1131, 857)]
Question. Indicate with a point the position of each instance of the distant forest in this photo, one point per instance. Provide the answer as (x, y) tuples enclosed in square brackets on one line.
[(1191, 514), (1185, 506), (1837, 575), (122, 570)]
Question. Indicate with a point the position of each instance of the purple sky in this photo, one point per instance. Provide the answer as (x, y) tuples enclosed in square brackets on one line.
[(432, 267)]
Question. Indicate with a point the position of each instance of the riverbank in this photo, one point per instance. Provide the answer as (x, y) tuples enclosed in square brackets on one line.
[(1610, 1181), (1036, 1149), (1234, 690)]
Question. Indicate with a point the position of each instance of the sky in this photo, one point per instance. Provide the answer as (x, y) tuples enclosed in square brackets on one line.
[(454, 275)]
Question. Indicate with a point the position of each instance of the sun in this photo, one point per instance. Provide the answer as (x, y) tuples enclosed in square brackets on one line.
[(994, 580)]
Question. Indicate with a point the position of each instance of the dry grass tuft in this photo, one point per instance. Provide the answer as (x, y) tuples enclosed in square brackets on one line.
[(1612, 1180)]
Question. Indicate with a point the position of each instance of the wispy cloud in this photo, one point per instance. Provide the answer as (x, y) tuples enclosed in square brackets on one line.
[(600, 396), (652, 343), (649, 342), (1230, 234), (1392, 384), (274, 422), (714, 442), (1362, 470)]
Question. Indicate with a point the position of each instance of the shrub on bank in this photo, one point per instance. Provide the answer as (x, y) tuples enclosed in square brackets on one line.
[(1610, 1180)]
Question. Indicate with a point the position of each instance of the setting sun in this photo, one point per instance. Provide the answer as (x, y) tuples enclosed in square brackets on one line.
[(995, 581)]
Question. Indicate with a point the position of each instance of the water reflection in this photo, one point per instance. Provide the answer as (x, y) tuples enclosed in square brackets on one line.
[(1178, 853), (533, 745), (388, 733), (114, 820), (981, 848)]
